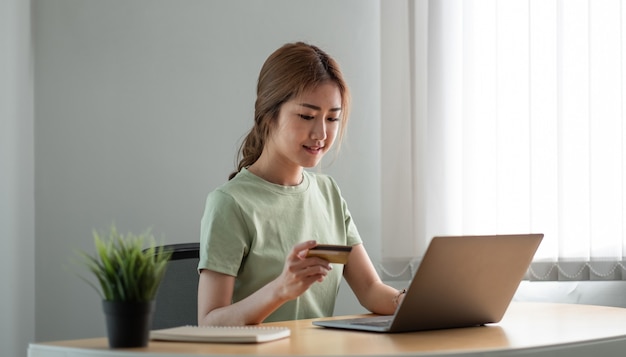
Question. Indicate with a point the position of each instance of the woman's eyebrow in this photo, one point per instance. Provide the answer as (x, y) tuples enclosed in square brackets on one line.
[(315, 107)]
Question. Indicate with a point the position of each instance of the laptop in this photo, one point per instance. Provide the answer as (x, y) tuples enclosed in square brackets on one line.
[(462, 281)]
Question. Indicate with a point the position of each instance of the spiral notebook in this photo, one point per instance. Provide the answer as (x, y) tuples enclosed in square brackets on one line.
[(221, 334)]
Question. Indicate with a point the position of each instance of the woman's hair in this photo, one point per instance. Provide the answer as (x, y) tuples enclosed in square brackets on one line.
[(287, 73)]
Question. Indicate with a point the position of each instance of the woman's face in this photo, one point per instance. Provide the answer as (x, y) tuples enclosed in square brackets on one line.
[(306, 127)]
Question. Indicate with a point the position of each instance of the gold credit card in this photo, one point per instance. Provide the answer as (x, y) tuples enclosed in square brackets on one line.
[(332, 253)]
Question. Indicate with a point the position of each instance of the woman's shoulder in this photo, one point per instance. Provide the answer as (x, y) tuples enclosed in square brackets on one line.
[(244, 186), (242, 179), (323, 181)]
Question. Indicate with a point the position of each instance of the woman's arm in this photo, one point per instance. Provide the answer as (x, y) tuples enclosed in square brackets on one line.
[(371, 292), (215, 290)]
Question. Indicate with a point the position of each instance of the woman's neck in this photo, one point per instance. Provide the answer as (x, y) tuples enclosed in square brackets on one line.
[(275, 173)]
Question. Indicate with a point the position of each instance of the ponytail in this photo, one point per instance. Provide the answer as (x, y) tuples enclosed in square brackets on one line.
[(252, 147)]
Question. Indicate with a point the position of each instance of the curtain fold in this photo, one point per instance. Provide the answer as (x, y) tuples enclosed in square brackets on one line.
[(514, 123)]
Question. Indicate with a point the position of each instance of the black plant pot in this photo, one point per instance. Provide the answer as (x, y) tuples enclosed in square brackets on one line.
[(128, 323)]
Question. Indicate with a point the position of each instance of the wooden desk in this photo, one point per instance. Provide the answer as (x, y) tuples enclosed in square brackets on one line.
[(528, 329)]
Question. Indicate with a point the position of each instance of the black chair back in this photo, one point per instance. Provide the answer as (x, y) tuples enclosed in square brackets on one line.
[(177, 297)]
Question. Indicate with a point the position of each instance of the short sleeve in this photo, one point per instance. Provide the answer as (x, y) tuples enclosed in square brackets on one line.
[(224, 238), (352, 233)]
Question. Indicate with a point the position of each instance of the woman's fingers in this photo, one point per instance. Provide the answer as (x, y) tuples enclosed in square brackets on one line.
[(300, 250), (301, 271)]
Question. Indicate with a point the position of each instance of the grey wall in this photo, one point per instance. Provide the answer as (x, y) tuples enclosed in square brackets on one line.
[(139, 109), (17, 204)]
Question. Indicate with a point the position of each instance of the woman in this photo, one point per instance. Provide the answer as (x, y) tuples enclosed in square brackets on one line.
[(258, 227)]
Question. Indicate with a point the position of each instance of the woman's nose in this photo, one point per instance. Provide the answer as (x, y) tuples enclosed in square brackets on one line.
[(318, 132)]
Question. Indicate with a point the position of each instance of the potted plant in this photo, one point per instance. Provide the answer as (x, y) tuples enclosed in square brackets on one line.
[(128, 275)]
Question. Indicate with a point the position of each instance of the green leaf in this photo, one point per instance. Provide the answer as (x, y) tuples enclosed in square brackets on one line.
[(123, 268)]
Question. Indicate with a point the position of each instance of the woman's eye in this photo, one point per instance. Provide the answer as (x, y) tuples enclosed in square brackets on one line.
[(307, 117), (333, 119)]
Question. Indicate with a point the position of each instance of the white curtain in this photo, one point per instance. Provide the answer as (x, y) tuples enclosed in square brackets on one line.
[(506, 117)]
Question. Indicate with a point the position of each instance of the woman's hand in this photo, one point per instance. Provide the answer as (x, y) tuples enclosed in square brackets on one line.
[(300, 271)]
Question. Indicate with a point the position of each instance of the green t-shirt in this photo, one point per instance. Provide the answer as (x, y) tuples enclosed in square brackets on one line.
[(250, 225)]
